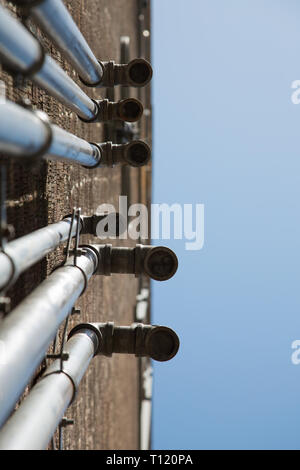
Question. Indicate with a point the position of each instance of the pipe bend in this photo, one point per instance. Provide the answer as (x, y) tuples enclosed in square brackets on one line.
[(157, 342)]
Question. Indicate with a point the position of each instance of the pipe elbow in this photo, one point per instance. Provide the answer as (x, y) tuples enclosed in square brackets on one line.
[(137, 73), (137, 153), (160, 263), (128, 110), (157, 342)]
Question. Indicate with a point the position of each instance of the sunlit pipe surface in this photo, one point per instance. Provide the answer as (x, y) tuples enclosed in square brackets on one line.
[(23, 133), (19, 50), (32, 426), (35, 421), (55, 20), (24, 252), (28, 330)]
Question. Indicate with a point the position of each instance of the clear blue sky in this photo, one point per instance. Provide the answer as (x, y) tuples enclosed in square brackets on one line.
[(226, 134)]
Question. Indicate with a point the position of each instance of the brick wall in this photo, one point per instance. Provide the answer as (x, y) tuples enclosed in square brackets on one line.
[(106, 411)]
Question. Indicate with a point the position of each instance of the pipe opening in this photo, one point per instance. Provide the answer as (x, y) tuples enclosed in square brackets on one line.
[(139, 72), (131, 110), (137, 153), (161, 263), (162, 343)]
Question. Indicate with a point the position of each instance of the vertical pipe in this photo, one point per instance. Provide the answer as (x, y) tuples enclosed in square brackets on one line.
[(22, 52), (23, 134), (27, 332), (32, 426), (55, 20), (24, 252)]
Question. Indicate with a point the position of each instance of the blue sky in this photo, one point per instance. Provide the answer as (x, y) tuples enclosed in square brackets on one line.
[(227, 135)]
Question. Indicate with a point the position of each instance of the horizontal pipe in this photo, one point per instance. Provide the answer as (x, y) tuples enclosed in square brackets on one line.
[(32, 426), (35, 421), (28, 330), (21, 52), (57, 23), (26, 134)]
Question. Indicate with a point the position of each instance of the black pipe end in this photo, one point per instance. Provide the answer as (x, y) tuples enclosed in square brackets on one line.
[(162, 343), (137, 153), (139, 72), (130, 110), (161, 263)]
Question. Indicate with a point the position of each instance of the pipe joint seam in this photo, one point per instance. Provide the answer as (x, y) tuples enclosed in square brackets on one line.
[(95, 84), (93, 119), (44, 119), (33, 69), (33, 158), (128, 110), (92, 331), (15, 272), (89, 252), (99, 160), (135, 153), (62, 371), (157, 342), (136, 73)]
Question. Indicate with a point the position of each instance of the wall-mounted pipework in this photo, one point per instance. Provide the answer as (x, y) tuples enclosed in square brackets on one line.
[(56, 22), (158, 262), (21, 53), (26, 333), (24, 252), (35, 421), (29, 135), (157, 342)]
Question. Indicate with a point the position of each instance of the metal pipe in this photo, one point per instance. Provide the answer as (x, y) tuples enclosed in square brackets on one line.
[(29, 135), (157, 342), (28, 330), (31, 326), (32, 426), (22, 53), (35, 421), (54, 19), (24, 252), (158, 262), (56, 22)]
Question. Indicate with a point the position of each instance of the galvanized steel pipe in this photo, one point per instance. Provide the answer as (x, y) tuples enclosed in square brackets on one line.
[(21, 52), (32, 426), (35, 421), (56, 22), (28, 330), (24, 252), (54, 19), (24, 133), (28, 134)]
